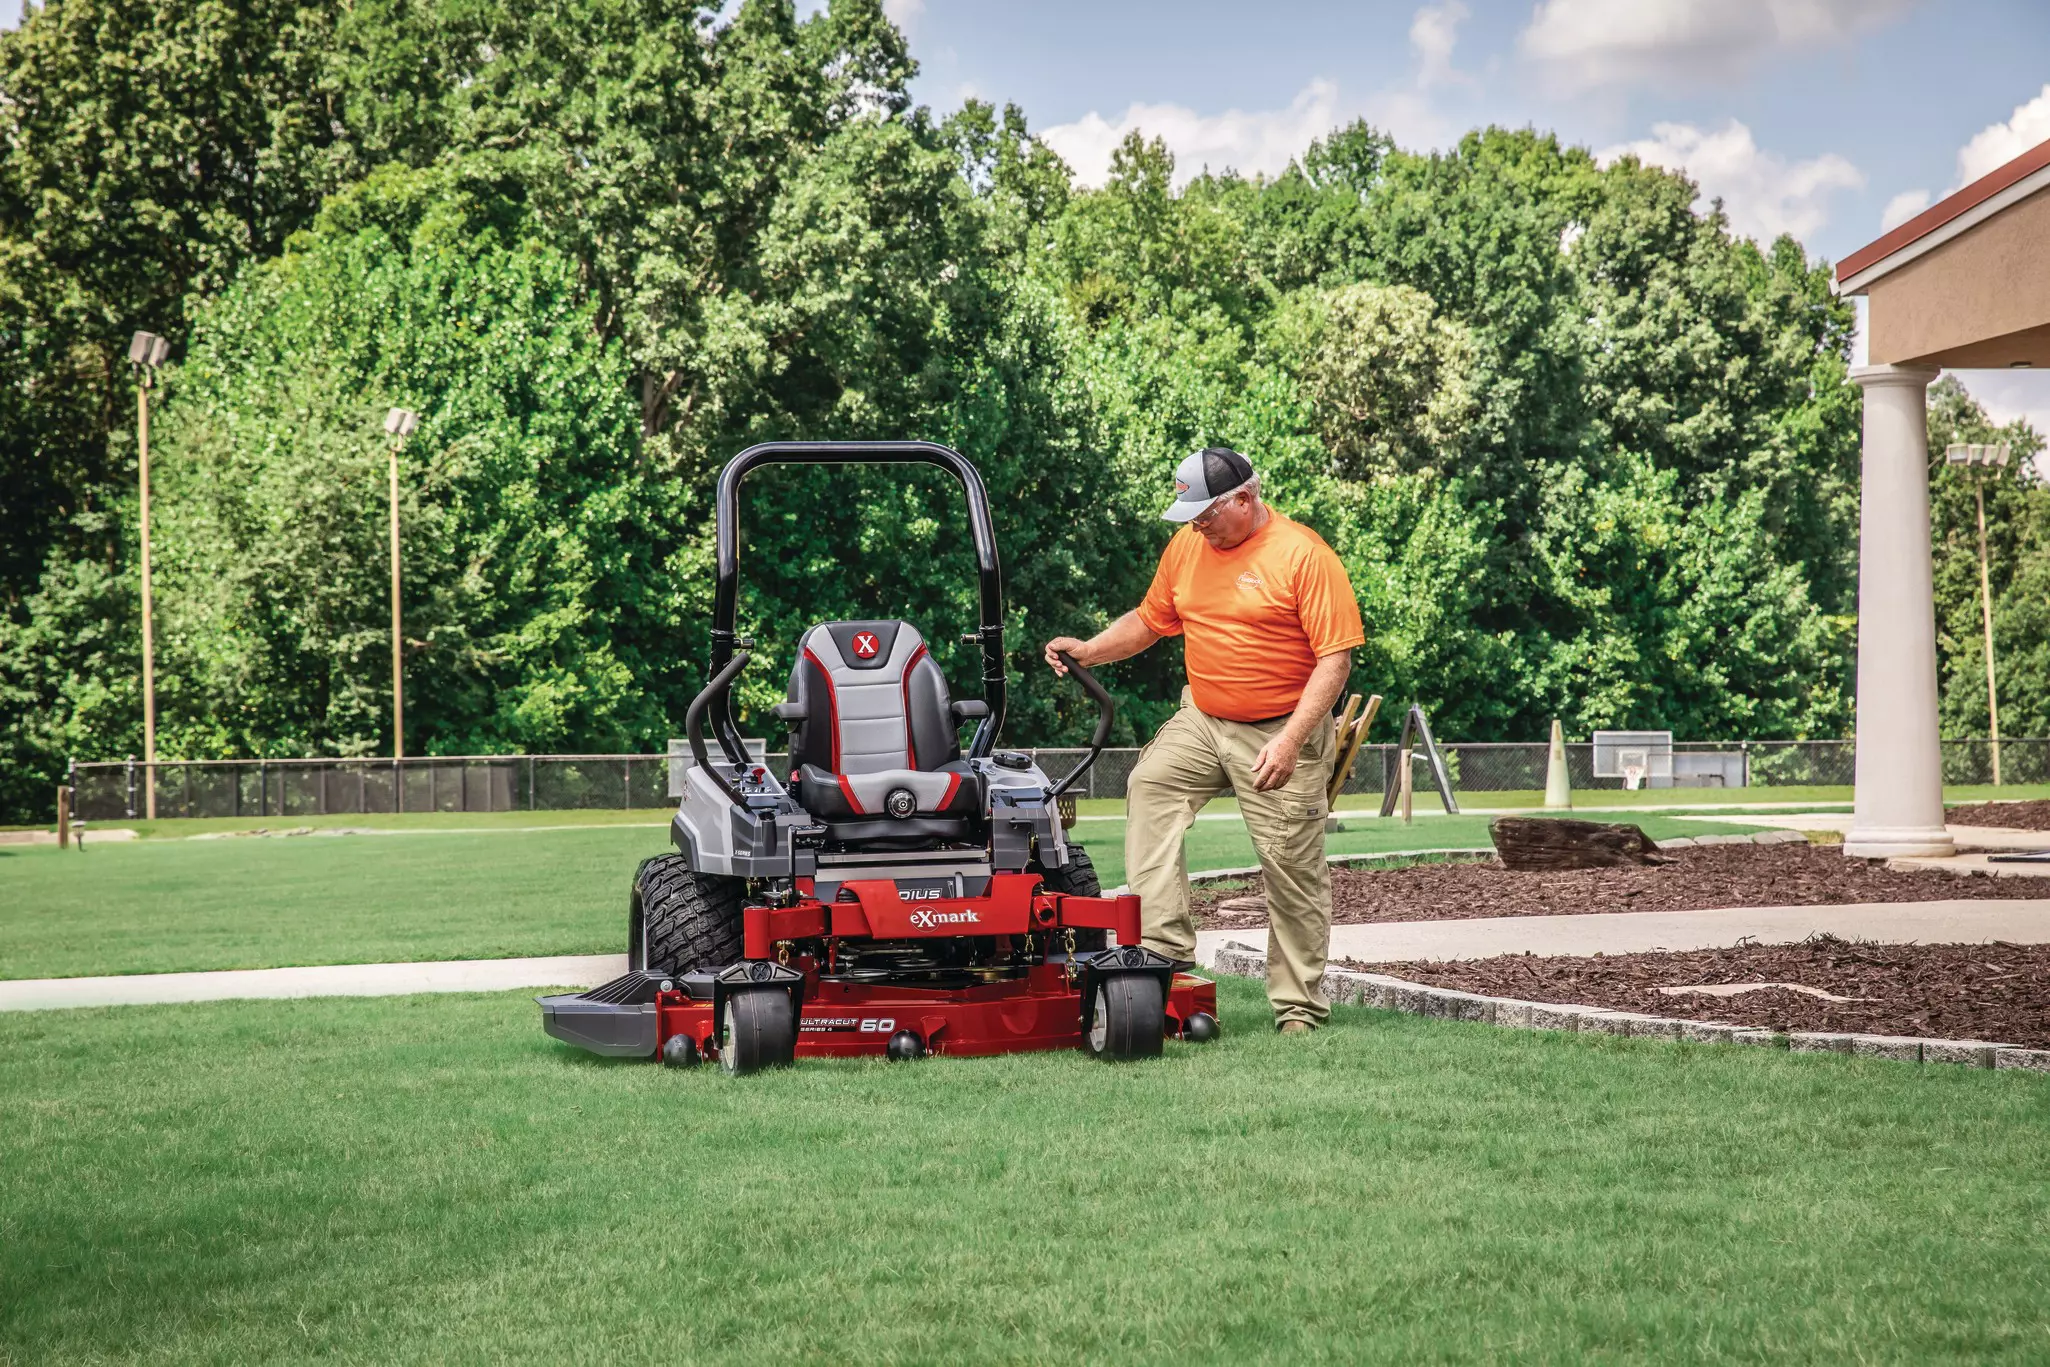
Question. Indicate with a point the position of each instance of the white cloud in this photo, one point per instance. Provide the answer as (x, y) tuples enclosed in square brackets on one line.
[(1260, 140), (1903, 207), (1989, 149), (1588, 44), (903, 13), (1997, 144), (2010, 394), (1433, 33), (1763, 193), (1264, 141)]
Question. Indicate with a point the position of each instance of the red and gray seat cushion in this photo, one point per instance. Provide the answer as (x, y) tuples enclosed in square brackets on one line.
[(877, 719)]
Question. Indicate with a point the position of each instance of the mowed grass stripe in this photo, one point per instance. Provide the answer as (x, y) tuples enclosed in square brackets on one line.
[(433, 1179), (156, 906)]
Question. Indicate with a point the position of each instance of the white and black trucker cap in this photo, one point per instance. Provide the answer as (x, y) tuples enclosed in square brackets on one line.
[(1204, 478)]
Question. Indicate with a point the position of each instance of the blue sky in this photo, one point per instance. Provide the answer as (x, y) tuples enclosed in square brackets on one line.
[(1831, 119)]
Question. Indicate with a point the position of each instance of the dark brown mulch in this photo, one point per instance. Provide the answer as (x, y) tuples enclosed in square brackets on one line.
[(2015, 816), (1995, 992), (1698, 879)]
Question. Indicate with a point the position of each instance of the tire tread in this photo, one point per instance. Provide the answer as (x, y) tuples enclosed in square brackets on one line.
[(691, 920)]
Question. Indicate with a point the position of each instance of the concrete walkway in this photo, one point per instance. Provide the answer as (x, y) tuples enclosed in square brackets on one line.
[(1951, 922), (1632, 932), (339, 980)]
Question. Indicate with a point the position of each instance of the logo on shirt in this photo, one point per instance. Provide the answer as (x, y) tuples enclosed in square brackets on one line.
[(866, 645), (1250, 580)]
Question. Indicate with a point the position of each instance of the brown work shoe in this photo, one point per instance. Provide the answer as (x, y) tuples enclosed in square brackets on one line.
[(1296, 1027)]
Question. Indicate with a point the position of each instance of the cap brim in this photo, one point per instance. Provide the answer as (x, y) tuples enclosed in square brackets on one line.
[(1183, 511)]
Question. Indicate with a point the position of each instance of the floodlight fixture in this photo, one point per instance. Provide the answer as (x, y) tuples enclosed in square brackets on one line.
[(400, 422), (148, 349), (1980, 454)]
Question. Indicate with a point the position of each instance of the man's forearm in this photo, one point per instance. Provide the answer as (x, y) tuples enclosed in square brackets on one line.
[(1327, 681), (1121, 640)]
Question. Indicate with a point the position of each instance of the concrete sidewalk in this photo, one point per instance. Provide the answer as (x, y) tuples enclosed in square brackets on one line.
[(1951, 922), (337, 980)]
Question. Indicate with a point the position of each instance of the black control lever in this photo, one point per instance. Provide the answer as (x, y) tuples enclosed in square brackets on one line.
[(1105, 711), (694, 724)]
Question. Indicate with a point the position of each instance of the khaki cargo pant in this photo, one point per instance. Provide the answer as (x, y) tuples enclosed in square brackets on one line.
[(1193, 759)]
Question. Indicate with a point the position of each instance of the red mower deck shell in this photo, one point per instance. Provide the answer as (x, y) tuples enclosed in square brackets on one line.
[(1042, 1010)]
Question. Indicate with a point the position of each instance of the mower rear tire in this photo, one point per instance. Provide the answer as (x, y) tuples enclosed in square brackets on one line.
[(759, 1031), (1077, 879), (680, 921), (1130, 1018)]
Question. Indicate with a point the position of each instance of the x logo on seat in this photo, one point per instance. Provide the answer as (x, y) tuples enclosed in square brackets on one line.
[(866, 645)]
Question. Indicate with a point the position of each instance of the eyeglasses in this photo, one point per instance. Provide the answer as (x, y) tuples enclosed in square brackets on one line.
[(1209, 515)]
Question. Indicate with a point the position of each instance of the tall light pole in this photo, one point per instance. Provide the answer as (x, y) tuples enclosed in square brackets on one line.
[(147, 351), (398, 424), (1979, 459)]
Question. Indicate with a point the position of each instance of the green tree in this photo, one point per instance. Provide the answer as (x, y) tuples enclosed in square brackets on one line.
[(2018, 565), (527, 602)]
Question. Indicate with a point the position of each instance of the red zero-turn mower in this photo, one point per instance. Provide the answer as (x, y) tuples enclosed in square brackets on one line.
[(895, 897)]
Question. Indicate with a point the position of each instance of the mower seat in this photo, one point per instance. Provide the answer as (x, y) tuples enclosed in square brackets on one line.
[(870, 721)]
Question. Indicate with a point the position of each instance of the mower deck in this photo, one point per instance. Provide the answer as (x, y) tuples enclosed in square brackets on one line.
[(632, 1017)]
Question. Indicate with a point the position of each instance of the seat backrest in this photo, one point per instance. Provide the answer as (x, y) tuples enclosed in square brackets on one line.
[(873, 699)]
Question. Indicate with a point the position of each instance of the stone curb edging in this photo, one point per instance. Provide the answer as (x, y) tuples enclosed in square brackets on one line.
[(1346, 987)]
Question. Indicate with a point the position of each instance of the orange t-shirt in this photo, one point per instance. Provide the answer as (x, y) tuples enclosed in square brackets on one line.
[(1256, 617)]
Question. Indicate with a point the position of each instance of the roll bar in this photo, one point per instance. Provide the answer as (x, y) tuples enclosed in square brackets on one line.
[(989, 632)]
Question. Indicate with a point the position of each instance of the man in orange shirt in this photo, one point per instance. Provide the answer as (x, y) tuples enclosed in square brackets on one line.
[(1269, 624)]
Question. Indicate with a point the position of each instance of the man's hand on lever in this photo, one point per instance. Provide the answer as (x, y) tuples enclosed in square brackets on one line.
[(1121, 640), (1069, 646)]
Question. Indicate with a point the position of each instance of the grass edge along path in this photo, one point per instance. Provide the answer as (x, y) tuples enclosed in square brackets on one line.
[(433, 1179), (186, 906)]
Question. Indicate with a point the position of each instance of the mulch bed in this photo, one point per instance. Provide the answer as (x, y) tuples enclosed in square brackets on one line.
[(2015, 816), (1994, 992), (1702, 878)]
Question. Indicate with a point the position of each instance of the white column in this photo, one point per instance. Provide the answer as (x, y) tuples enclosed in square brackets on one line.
[(1900, 765)]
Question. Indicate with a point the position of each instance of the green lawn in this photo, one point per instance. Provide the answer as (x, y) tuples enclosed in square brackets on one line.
[(160, 905), (432, 1179)]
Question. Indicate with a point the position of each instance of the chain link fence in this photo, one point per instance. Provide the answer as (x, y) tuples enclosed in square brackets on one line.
[(283, 788), (327, 787)]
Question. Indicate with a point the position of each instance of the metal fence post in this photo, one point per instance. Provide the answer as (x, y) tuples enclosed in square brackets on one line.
[(131, 787)]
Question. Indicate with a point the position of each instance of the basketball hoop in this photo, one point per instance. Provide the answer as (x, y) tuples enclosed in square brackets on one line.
[(1633, 776)]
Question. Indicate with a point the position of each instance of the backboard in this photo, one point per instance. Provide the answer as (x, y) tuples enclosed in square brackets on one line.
[(1639, 755)]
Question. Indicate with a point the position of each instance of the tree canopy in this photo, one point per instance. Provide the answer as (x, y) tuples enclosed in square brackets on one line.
[(1585, 453)]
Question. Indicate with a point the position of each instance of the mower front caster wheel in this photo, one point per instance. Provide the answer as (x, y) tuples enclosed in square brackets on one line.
[(905, 1046), (1200, 1028), (680, 1051), (1130, 1017), (760, 1032)]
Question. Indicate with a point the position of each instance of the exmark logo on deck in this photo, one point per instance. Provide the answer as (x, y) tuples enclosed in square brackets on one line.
[(933, 920)]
